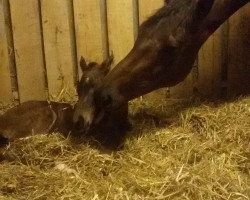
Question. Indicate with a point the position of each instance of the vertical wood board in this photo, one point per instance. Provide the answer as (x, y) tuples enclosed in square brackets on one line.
[(120, 27), (209, 66), (28, 49), (102, 26), (5, 81), (239, 52), (148, 8), (58, 46), (11, 52), (184, 89), (91, 34)]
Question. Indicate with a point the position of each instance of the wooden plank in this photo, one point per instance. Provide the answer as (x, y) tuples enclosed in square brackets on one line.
[(11, 53), (58, 46), (120, 17), (208, 81), (91, 30), (205, 78), (28, 49), (5, 81), (148, 8), (239, 52), (184, 89)]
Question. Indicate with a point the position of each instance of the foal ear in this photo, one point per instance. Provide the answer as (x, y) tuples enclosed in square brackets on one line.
[(106, 64), (83, 64)]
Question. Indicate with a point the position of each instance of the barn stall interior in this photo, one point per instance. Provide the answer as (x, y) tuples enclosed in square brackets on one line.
[(176, 150)]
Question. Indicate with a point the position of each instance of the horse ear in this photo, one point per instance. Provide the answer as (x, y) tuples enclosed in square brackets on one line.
[(106, 64), (83, 64)]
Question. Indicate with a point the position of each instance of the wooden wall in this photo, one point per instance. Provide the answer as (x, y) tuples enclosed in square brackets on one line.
[(5, 81), (42, 40)]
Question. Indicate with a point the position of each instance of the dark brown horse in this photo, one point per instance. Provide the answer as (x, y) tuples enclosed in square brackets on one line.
[(112, 126), (162, 56)]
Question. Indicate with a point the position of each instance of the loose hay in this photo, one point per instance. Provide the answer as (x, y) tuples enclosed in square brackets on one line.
[(174, 152)]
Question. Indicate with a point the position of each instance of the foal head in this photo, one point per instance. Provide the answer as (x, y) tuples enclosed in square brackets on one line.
[(92, 78)]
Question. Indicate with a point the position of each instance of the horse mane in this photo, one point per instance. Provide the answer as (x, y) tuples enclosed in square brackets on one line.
[(175, 11), (164, 12)]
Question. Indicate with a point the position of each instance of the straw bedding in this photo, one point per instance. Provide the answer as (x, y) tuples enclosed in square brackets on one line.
[(175, 151)]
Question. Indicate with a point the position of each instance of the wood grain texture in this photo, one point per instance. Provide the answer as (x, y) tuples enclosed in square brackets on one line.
[(121, 28), (239, 52), (28, 49), (58, 46), (148, 8), (91, 32), (209, 66), (5, 81)]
